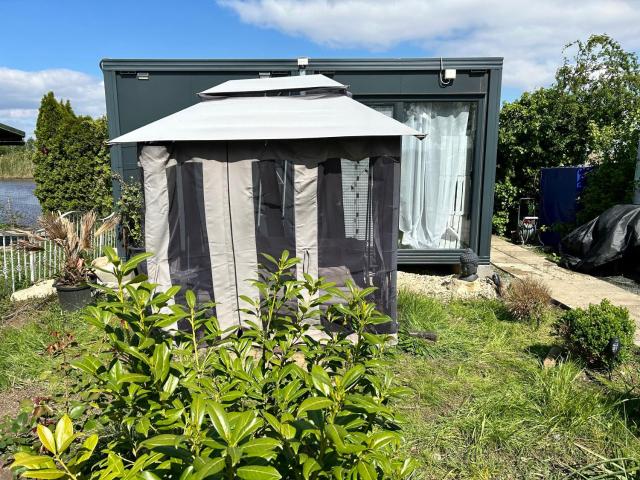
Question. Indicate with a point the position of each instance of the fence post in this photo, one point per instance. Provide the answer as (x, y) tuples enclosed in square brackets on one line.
[(32, 266)]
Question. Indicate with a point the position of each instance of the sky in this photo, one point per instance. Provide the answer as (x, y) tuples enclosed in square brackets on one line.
[(56, 45)]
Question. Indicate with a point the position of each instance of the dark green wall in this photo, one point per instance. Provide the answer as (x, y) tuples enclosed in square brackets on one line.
[(173, 84)]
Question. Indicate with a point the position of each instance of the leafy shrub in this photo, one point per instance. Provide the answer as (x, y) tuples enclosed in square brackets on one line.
[(267, 402), (587, 333), (130, 206), (527, 299), (589, 115)]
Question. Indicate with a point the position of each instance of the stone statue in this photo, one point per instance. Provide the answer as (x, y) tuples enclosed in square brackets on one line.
[(468, 266)]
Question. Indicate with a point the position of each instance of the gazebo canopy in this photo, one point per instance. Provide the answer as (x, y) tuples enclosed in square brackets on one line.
[(308, 106), (10, 135)]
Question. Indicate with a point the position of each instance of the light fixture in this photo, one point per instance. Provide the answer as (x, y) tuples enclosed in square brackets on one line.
[(303, 63), (446, 76)]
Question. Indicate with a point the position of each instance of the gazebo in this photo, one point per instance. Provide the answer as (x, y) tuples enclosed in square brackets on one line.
[(264, 165)]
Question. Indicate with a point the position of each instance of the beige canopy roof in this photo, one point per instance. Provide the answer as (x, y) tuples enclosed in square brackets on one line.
[(324, 111)]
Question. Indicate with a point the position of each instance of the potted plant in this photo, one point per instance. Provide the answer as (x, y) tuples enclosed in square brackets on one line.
[(72, 282)]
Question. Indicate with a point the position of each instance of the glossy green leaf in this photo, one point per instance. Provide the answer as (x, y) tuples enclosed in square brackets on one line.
[(209, 468), (161, 362), (257, 472), (314, 403), (259, 446), (190, 297), (219, 420), (351, 377), (165, 440), (321, 380)]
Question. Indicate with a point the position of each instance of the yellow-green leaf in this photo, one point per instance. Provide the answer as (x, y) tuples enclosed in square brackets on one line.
[(46, 437), (64, 433), (23, 459), (44, 473)]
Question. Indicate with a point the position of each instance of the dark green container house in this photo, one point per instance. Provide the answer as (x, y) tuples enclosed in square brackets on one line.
[(447, 180)]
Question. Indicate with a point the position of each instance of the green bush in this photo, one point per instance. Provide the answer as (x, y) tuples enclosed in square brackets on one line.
[(72, 167), (268, 402), (590, 115), (130, 206), (587, 333)]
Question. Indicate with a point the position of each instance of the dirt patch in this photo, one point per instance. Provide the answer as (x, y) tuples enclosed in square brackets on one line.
[(446, 287), (16, 314), (10, 399)]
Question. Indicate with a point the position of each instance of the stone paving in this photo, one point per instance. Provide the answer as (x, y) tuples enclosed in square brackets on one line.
[(570, 289)]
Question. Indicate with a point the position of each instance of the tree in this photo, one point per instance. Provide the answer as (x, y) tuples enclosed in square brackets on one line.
[(72, 169), (588, 116)]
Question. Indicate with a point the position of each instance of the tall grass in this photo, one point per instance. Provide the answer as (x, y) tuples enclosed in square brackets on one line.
[(485, 408), (16, 162), (24, 355)]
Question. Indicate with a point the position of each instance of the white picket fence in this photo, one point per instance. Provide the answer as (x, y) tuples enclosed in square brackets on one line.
[(20, 269)]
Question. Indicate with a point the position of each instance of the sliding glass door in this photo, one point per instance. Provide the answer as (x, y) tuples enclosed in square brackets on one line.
[(435, 185)]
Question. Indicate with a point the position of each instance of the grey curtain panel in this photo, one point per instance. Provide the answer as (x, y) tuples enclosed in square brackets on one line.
[(212, 208)]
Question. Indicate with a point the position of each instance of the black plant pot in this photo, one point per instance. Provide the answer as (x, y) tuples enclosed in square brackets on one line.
[(75, 297)]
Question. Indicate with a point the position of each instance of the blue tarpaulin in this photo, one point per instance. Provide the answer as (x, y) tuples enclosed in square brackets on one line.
[(560, 188)]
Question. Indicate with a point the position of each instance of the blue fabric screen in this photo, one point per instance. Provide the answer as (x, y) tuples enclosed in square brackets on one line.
[(560, 188)]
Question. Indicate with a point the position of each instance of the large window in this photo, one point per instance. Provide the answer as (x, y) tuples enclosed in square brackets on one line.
[(435, 185)]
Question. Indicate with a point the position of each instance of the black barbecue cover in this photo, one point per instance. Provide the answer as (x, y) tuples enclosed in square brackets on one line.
[(611, 239)]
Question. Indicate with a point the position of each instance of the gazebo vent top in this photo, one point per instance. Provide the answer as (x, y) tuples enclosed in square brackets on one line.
[(273, 85)]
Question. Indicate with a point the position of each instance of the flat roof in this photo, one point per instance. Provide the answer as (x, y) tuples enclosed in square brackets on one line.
[(323, 64), (10, 135)]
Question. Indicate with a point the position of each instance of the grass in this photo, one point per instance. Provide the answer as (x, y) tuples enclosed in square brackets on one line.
[(482, 405), (485, 408), (15, 162), (27, 331)]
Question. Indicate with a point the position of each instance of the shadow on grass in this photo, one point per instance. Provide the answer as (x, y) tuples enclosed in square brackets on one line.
[(539, 350)]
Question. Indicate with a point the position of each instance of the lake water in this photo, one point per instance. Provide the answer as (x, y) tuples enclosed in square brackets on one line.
[(18, 204)]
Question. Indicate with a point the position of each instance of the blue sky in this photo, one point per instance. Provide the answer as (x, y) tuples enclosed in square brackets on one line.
[(57, 44)]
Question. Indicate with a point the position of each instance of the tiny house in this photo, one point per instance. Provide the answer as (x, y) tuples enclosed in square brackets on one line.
[(447, 179)]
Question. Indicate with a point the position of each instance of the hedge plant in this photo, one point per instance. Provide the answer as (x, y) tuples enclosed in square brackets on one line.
[(588, 333), (72, 169), (266, 402)]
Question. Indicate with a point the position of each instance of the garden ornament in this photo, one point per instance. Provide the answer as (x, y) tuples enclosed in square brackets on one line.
[(468, 266)]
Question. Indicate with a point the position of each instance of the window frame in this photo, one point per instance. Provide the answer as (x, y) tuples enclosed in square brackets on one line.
[(445, 255)]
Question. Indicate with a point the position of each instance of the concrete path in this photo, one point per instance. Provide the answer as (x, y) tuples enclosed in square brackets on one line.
[(571, 289)]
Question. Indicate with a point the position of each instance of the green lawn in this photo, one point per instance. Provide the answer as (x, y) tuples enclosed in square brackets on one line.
[(482, 407), (27, 331), (485, 408)]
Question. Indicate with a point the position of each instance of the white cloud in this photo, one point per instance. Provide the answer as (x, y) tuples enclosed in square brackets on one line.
[(529, 34), (21, 92)]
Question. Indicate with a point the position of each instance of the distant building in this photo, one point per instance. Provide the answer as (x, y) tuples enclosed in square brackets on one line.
[(10, 135)]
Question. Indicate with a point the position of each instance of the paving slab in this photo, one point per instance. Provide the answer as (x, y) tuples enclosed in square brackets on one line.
[(568, 288)]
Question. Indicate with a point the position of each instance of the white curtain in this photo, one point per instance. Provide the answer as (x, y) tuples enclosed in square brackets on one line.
[(430, 169)]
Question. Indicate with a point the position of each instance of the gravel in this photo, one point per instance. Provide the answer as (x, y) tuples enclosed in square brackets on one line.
[(445, 287)]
